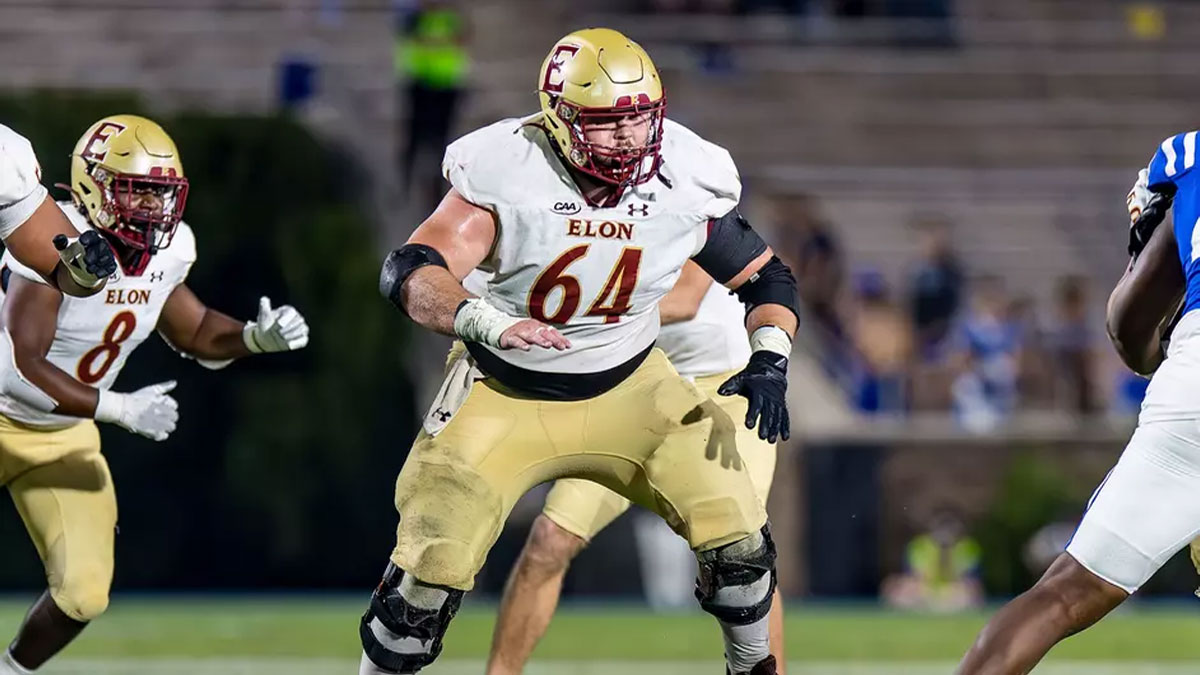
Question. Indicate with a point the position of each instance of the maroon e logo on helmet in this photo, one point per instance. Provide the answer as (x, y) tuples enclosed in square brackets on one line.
[(105, 132), (552, 84)]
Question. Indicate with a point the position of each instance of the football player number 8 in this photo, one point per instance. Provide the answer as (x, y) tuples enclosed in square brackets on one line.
[(612, 302), (96, 362)]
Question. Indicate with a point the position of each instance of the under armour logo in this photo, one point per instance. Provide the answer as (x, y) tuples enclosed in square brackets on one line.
[(157, 276), (442, 415), (639, 209)]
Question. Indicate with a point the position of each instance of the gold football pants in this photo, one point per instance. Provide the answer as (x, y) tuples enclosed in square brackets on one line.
[(654, 439), (583, 508), (63, 491)]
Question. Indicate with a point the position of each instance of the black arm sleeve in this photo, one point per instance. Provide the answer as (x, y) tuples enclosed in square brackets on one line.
[(400, 264), (771, 285), (731, 245)]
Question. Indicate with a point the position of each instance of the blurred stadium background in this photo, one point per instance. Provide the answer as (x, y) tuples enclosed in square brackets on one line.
[(946, 176)]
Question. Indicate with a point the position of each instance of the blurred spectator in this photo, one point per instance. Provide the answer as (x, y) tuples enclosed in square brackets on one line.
[(1048, 543), (882, 336), (989, 345), (809, 246), (431, 57), (941, 568), (1071, 347), (935, 288), (1035, 376), (1129, 391)]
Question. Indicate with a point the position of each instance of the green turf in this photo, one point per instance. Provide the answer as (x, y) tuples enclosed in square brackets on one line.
[(317, 627)]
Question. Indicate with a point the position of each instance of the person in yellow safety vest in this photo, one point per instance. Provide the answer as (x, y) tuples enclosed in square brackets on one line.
[(431, 57), (941, 569)]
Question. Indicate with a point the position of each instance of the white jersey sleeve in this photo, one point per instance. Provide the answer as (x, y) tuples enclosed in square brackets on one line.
[(21, 191), (480, 164), (708, 170), (712, 342)]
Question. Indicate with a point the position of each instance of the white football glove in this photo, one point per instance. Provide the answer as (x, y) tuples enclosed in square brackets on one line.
[(1147, 209), (148, 412), (275, 330), (1139, 196)]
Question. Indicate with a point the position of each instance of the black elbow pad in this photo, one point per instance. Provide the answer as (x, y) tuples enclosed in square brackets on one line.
[(401, 263), (771, 285)]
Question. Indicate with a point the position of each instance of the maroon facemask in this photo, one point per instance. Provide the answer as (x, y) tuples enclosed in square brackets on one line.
[(622, 167), (138, 233)]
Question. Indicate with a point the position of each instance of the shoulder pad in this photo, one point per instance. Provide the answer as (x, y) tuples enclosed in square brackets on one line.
[(481, 164), (692, 163), (21, 191), (183, 246), (1175, 157)]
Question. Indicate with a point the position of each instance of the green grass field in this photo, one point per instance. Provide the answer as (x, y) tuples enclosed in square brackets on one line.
[(318, 636)]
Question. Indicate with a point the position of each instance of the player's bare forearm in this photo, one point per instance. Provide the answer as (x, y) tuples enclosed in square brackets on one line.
[(217, 338), (31, 244), (31, 319), (198, 330), (683, 301), (431, 296), (1145, 298), (73, 397), (772, 315)]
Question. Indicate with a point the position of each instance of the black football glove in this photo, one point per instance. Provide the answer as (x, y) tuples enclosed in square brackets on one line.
[(764, 383), (88, 259), (1147, 209)]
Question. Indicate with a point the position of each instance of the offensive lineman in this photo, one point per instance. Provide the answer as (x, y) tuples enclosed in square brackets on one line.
[(30, 222), (1148, 508), (703, 336), (585, 214), (61, 355)]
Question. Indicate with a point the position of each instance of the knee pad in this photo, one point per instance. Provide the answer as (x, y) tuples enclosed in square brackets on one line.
[(736, 582), (401, 635)]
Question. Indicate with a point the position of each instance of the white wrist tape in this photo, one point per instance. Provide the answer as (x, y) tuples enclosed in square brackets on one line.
[(109, 407), (15, 385), (771, 339), (477, 321)]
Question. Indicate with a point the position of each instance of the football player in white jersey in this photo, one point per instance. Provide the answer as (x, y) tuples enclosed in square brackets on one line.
[(61, 355), (703, 336), (1148, 506), (585, 215), (33, 228)]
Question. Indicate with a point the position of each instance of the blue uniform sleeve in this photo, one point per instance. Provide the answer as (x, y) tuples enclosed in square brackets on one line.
[(1175, 158)]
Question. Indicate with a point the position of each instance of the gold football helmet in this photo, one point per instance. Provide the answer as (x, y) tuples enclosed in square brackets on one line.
[(127, 179), (598, 75)]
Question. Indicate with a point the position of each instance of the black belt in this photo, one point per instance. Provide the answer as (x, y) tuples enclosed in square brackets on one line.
[(554, 386)]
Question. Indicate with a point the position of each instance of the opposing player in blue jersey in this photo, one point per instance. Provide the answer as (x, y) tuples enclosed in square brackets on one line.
[(1148, 508)]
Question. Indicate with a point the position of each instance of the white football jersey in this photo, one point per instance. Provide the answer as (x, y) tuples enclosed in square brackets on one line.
[(21, 191), (597, 274), (711, 343), (95, 335)]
